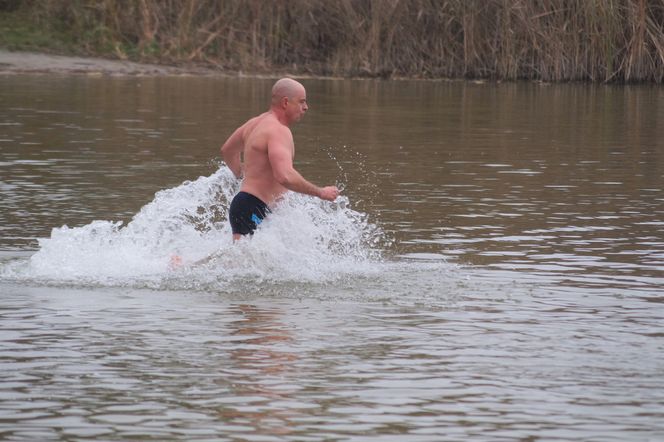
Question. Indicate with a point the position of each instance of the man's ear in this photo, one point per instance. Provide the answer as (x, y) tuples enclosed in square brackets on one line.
[(284, 102)]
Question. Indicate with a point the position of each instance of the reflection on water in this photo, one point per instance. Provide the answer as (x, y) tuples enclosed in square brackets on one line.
[(517, 295), (266, 357)]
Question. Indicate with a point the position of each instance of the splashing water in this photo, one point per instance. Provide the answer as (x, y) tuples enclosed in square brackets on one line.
[(304, 239)]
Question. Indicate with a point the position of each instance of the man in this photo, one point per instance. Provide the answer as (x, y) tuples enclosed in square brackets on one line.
[(267, 144)]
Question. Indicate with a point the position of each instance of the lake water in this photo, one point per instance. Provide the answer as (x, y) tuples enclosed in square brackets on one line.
[(493, 271)]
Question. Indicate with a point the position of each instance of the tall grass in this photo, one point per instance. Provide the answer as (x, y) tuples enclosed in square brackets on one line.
[(550, 40)]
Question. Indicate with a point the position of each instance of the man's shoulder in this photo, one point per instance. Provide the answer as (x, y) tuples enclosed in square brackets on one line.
[(274, 128), (265, 120), (265, 128), (253, 122)]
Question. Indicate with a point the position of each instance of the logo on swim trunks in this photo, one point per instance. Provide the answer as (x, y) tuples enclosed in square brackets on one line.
[(257, 220)]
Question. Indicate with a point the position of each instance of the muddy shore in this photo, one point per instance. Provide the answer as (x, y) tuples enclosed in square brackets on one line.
[(34, 63)]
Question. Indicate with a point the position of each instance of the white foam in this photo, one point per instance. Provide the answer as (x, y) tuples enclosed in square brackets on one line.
[(304, 239)]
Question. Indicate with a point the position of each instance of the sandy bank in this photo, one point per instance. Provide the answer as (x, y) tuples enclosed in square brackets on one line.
[(29, 62)]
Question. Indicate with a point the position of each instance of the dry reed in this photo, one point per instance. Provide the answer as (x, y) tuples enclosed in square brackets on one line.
[(549, 40)]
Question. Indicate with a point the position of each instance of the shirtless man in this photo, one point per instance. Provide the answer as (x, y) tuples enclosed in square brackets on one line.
[(267, 144)]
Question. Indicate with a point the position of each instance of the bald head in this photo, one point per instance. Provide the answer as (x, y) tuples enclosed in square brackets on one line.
[(285, 88)]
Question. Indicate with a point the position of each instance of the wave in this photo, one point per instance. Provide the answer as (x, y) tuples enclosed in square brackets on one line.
[(181, 239)]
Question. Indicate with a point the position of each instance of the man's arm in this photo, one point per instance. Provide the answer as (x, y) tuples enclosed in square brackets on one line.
[(280, 155), (231, 151)]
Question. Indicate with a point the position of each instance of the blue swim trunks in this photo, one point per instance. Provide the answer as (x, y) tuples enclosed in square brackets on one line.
[(246, 213)]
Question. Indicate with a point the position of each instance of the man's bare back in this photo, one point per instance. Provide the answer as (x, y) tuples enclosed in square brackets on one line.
[(259, 179), (267, 144)]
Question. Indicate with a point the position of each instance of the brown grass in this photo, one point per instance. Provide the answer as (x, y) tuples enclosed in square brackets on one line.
[(549, 40)]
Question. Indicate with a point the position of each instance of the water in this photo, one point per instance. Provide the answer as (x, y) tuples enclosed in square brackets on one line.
[(493, 272)]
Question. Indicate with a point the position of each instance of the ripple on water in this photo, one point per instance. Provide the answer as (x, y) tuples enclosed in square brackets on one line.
[(544, 324)]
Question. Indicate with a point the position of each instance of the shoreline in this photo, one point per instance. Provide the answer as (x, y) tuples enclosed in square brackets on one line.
[(498, 41), (39, 63), (22, 62)]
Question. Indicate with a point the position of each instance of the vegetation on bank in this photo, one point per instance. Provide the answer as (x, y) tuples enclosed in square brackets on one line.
[(549, 40), (18, 32)]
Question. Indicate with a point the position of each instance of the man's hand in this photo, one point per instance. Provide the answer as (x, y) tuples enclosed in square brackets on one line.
[(329, 193)]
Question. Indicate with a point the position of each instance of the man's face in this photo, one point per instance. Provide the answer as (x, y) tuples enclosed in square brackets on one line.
[(297, 105)]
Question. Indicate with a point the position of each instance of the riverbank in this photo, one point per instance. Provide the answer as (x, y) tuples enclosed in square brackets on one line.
[(24, 62), (617, 41), (20, 62)]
